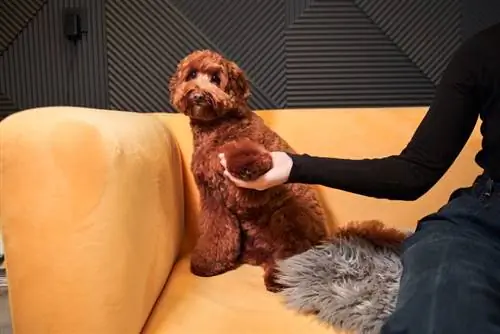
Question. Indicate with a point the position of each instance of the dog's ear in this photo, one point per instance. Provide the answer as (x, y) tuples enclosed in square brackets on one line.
[(172, 83), (237, 80), (174, 80)]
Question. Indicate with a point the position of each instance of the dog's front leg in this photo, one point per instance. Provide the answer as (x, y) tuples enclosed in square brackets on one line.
[(218, 246), (246, 159)]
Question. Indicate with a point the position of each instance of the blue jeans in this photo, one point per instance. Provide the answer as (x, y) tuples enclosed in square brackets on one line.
[(451, 276)]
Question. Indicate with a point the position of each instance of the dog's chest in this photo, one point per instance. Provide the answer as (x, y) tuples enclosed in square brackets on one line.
[(211, 182), (205, 158)]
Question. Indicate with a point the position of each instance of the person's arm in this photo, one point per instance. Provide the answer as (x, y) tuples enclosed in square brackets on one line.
[(433, 148)]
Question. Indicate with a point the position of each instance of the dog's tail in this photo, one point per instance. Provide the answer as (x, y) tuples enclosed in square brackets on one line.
[(373, 231), (350, 282), (246, 159)]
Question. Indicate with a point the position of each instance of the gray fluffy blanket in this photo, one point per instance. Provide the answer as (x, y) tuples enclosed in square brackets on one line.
[(348, 283)]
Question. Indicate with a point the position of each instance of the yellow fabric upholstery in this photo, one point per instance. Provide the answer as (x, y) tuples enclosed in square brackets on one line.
[(92, 213), (94, 205)]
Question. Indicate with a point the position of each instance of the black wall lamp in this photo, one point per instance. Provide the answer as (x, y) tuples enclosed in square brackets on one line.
[(74, 24)]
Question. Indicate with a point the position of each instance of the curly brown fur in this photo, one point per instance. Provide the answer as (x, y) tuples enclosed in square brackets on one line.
[(238, 225), (373, 231), (247, 160)]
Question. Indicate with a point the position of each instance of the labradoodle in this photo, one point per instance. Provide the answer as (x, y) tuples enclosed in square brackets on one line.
[(348, 279), (239, 226)]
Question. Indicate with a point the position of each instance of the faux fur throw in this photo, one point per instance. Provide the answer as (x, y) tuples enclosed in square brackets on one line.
[(348, 283)]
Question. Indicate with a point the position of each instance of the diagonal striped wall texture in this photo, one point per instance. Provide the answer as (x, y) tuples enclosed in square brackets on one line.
[(147, 39), (427, 32), (40, 67), (478, 15), (252, 34), (14, 16), (294, 9), (336, 56), (296, 53), (7, 107), (144, 41), (300, 53)]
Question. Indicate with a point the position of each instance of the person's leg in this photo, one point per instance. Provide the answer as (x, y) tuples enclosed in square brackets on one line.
[(451, 276)]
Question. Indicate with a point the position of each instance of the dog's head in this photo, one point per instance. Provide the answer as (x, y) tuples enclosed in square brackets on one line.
[(206, 86)]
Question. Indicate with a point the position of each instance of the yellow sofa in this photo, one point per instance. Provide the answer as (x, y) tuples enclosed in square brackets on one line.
[(98, 209)]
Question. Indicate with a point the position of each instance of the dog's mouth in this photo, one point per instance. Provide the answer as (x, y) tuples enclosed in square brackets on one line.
[(201, 105)]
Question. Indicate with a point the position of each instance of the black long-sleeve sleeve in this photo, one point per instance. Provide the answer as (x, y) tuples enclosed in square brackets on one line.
[(436, 143)]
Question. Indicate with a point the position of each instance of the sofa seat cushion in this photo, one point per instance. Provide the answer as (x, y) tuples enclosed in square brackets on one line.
[(235, 302)]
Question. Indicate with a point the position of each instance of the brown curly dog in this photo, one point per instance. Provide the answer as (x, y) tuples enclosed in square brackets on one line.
[(238, 225)]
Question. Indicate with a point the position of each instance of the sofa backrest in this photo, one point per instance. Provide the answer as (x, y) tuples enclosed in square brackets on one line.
[(348, 133)]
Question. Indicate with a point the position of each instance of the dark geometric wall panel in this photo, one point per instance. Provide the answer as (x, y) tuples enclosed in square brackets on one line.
[(7, 107), (14, 16), (252, 34), (336, 56), (294, 9), (479, 15), (146, 40), (296, 53), (428, 32), (42, 68)]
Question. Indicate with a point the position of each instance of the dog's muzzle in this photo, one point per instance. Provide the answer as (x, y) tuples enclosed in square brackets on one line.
[(199, 98), (201, 105)]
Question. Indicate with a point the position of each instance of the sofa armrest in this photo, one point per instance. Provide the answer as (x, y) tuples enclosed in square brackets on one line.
[(91, 203)]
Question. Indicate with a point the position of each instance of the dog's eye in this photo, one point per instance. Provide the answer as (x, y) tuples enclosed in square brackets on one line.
[(192, 75), (215, 79)]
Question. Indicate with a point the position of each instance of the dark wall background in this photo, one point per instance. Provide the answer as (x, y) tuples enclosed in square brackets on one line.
[(296, 53), (39, 67)]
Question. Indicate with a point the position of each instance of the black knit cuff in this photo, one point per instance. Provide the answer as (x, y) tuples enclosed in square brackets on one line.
[(298, 173)]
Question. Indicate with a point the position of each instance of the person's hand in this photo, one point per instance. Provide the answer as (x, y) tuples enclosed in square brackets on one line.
[(278, 174)]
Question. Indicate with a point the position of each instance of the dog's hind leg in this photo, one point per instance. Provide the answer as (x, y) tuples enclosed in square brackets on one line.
[(218, 247), (270, 278), (292, 229)]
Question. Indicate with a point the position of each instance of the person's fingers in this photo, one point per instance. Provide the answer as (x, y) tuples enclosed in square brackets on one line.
[(269, 178), (243, 184), (233, 179), (222, 159), (228, 175)]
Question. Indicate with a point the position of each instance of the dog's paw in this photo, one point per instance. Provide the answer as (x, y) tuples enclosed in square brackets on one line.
[(200, 266), (203, 269), (271, 280), (247, 160)]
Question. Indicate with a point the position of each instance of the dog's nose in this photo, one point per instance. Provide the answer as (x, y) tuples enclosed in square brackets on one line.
[(197, 97)]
